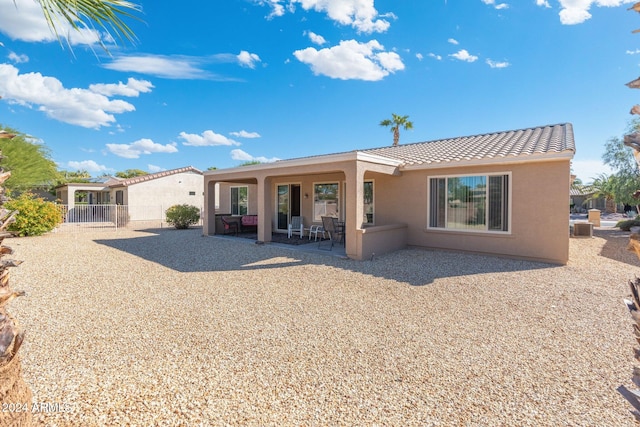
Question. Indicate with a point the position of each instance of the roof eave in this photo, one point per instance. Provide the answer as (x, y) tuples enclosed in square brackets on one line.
[(329, 159)]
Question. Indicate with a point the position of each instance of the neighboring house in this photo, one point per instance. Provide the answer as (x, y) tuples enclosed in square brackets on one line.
[(581, 199), (145, 196), (502, 193)]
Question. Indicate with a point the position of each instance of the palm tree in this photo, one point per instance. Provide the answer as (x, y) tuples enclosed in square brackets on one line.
[(11, 334), (79, 14), (604, 187), (395, 122)]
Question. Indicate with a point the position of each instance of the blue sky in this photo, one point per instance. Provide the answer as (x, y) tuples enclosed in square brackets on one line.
[(221, 83)]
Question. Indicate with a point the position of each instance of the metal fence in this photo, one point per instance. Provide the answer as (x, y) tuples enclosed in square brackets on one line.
[(113, 217)]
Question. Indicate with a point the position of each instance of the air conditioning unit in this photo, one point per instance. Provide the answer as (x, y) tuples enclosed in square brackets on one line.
[(582, 229)]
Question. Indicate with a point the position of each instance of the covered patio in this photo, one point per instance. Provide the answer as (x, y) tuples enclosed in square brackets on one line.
[(339, 185)]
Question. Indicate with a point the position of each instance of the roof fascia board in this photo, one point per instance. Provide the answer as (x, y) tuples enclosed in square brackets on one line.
[(375, 158), (283, 164), (315, 160)]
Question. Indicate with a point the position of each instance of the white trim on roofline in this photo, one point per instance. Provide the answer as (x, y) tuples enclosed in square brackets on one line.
[(314, 160)]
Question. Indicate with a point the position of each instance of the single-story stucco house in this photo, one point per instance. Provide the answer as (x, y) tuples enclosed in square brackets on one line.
[(503, 193), (143, 195)]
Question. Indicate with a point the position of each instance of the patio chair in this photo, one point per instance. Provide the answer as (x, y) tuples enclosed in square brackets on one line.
[(328, 225), (296, 226), (338, 226), (315, 229), (229, 225)]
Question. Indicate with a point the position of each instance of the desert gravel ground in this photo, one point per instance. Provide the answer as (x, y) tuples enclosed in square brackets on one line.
[(166, 327)]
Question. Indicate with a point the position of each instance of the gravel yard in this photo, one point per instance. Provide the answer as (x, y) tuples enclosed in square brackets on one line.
[(167, 327)]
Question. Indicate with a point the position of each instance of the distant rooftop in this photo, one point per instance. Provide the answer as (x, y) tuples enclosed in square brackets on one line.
[(118, 182)]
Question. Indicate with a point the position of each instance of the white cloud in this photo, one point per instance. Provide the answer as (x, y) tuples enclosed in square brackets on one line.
[(577, 11), (244, 134), (181, 66), (238, 154), (88, 165), (463, 55), (495, 64), (247, 59), (351, 60), (572, 15), (543, 3), (75, 106), (167, 67), (316, 39), (132, 88), (17, 59), (207, 139), (453, 41), (154, 168), (139, 147), (419, 56), (23, 20), (633, 52), (433, 55), (360, 14), (498, 6)]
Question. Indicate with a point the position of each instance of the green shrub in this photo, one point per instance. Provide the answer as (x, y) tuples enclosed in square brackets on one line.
[(35, 215), (182, 216), (626, 224)]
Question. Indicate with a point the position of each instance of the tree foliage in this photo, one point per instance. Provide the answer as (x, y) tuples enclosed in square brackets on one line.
[(108, 15), (249, 163), (131, 173), (29, 162), (77, 176), (35, 215), (395, 123), (625, 180)]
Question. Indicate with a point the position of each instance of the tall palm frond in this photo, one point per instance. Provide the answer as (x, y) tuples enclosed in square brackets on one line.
[(107, 14), (395, 122)]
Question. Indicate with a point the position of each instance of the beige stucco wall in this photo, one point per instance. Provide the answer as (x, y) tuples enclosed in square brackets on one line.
[(161, 193), (306, 183), (539, 207), (539, 211)]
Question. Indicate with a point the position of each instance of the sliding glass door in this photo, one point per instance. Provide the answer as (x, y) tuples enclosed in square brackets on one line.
[(288, 204)]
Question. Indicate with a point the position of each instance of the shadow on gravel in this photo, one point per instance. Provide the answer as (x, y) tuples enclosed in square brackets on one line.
[(189, 251), (615, 246)]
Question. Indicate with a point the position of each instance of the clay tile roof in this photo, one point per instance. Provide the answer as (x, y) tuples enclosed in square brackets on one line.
[(151, 176), (508, 144), (581, 190)]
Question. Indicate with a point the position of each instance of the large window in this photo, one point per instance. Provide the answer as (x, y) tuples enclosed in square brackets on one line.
[(325, 201), (239, 200), (475, 203)]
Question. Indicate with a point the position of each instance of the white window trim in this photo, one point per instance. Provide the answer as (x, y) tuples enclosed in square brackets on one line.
[(462, 230), (313, 196)]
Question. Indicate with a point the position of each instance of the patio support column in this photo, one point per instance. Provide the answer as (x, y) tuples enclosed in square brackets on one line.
[(354, 209), (265, 209), (71, 199), (209, 220)]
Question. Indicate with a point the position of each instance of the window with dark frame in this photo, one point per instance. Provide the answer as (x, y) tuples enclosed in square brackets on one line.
[(473, 203)]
